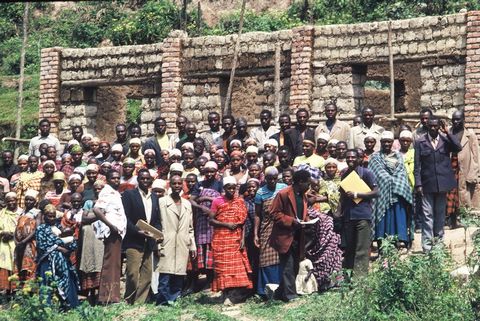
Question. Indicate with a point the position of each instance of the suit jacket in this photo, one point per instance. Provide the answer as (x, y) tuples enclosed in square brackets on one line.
[(152, 143), (283, 210), (294, 140), (468, 157), (340, 130), (433, 169), (134, 211)]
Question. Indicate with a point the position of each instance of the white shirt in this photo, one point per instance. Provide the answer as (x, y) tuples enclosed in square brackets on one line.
[(110, 200), (36, 141), (147, 204)]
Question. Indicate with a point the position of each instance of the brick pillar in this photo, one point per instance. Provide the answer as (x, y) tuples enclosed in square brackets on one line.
[(472, 73), (171, 94), (50, 86), (301, 79)]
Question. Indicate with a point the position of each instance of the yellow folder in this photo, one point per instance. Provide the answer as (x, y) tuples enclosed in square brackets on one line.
[(354, 183)]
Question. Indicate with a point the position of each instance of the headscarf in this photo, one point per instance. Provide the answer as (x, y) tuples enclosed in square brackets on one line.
[(149, 151), (159, 183), (51, 162), (229, 180), (74, 176), (211, 164)]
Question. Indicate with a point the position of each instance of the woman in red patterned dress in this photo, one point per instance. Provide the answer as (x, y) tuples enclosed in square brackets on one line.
[(231, 266)]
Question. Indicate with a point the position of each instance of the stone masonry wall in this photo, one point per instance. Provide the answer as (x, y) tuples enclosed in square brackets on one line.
[(436, 59)]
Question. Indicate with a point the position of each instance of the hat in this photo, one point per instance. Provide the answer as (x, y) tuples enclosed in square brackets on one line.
[(387, 135), (95, 140), (11, 194), (272, 142), (187, 145), (229, 180), (236, 141), (308, 141), (271, 170), (106, 164), (159, 183), (73, 142), (136, 141), (58, 176), (211, 164), (92, 167), (149, 151), (176, 167), (51, 162), (253, 180), (32, 193), (76, 149), (330, 160), (22, 157), (117, 148), (74, 176), (87, 136), (333, 141), (128, 161), (323, 136), (406, 134), (175, 152), (64, 156), (252, 149)]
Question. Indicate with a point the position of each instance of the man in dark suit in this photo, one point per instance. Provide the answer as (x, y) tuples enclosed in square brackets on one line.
[(434, 177), (295, 136), (139, 203), (289, 208), (159, 141)]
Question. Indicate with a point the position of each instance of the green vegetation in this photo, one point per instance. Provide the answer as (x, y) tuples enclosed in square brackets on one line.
[(126, 22), (413, 288)]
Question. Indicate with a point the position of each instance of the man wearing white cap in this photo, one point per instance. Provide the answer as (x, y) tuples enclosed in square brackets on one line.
[(333, 127), (308, 156)]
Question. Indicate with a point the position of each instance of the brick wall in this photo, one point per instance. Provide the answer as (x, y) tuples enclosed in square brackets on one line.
[(472, 72), (50, 86)]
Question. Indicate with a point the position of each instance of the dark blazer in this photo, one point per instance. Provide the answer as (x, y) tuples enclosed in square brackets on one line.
[(134, 211), (152, 143), (283, 211), (294, 140), (433, 168)]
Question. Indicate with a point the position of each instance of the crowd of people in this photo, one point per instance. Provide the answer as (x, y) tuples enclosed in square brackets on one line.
[(261, 211)]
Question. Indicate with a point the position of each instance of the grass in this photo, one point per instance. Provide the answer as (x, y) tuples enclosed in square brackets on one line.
[(9, 98)]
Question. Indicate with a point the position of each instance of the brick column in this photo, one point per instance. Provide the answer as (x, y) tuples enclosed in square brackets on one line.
[(472, 73), (171, 94), (301, 64), (50, 86)]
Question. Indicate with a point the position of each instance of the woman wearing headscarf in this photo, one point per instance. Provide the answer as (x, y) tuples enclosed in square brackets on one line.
[(53, 257), (135, 152), (269, 261), (8, 222), (22, 163), (237, 168), (60, 187), (150, 163), (231, 266), (26, 250), (395, 196), (91, 254), (129, 179), (46, 183), (222, 160), (74, 183)]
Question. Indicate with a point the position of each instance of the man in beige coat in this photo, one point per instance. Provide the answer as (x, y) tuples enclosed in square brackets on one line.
[(335, 128), (359, 132), (178, 243), (467, 160)]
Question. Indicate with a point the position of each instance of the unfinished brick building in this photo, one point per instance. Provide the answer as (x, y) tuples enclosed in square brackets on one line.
[(437, 65)]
